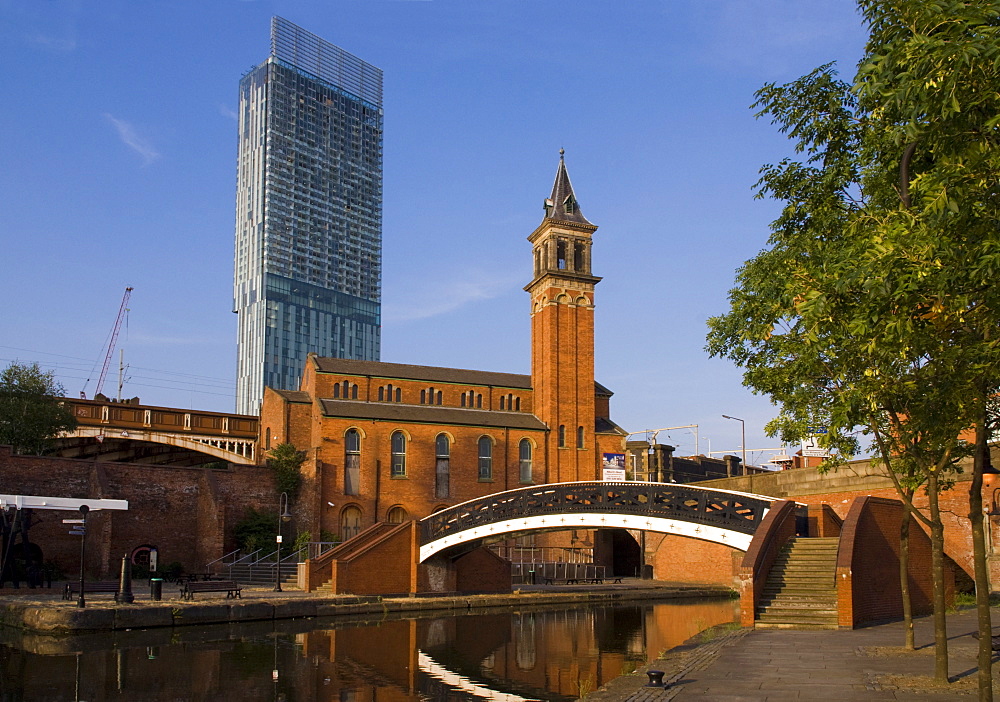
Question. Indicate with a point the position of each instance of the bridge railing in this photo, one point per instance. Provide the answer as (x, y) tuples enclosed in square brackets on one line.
[(729, 510)]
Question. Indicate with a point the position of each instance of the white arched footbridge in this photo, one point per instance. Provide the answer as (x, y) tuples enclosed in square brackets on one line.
[(721, 516)]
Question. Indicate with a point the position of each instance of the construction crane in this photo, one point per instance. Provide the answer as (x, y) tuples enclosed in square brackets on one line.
[(114, 339)]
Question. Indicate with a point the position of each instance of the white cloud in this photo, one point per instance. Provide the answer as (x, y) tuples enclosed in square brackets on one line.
[(227, 111), (431, 301), (132, 139)]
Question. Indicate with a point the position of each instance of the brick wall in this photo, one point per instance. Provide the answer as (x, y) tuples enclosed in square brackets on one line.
[(685, 560), (187, 513), (868, 587), (839, 487)]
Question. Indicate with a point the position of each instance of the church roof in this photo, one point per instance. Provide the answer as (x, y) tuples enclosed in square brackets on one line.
[(562, 204), (294, 395), (430, 414), (405, 371)]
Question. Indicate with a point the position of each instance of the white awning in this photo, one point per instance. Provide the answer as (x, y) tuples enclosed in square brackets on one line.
[(64, 503)]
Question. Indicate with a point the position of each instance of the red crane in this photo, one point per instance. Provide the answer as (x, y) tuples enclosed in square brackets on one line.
[(114, 338)]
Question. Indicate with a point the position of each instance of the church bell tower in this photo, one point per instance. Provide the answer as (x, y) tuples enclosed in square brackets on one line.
[(562, 334)]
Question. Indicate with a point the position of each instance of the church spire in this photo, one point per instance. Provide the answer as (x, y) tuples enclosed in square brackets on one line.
[(562, 204)]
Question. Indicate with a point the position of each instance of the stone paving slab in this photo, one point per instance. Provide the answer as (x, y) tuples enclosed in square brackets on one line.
[(779, 665)]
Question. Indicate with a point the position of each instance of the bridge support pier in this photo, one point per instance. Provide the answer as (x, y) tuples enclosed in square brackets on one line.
[(478, 571), (382, 560)]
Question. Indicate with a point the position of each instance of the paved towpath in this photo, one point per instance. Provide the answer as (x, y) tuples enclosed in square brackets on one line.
[(773, 665)]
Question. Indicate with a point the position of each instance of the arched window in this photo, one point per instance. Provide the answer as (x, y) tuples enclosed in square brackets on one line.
[(442, 472), (381, 394), (479, 401), (336, 391), (502, 401), (267, 439), (463, 399), (485, 458), (524, 460), (398, 394), (350, 522), (517, 404), (396, 515), (579, 437), (562, 436), (423, 397), (352, 462), (439, 396), (354, 392), (398, 469)]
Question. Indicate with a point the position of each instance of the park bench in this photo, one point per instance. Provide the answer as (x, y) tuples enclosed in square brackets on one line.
[(230, 587), (97, 586), (599, 580)]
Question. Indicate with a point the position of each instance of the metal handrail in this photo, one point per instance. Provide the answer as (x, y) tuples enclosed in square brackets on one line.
[(239, 561), (294, 555), (208, 566), (318, 548)]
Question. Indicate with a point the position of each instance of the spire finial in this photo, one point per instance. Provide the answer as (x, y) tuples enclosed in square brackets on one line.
[(562, 152)]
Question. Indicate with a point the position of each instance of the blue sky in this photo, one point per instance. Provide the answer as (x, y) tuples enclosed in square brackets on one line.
[(117, 168)]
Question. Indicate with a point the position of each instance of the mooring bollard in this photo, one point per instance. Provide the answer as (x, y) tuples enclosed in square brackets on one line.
[(655, 678), (124, 594)]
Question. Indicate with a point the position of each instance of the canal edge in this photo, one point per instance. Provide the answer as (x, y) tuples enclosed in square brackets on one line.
[(61, 618)]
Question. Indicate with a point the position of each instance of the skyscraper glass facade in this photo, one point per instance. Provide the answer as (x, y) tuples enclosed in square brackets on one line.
[(308, 263)]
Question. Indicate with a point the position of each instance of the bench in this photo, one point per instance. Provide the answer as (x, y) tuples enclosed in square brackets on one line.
[(230, 587), (97, 586), (576, 581)]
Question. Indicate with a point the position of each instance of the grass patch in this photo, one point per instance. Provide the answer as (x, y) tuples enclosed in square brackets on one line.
[(968, 599), (717, 631)]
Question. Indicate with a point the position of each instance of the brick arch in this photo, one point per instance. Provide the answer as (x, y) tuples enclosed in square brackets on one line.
[(360, 430)]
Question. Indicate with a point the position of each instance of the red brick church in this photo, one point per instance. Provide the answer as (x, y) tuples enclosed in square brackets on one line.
[(391, 442)]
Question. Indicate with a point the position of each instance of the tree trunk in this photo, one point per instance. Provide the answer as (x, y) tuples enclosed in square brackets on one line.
[(979, 463), (937, 577), (904, 578)]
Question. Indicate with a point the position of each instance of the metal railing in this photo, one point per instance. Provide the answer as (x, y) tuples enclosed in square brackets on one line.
[(538, 573), (728, 510), (544, 554), (221, 559), (318, 548)]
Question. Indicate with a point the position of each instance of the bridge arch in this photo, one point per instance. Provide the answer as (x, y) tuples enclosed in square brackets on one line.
[(231, 449), (721, 516)]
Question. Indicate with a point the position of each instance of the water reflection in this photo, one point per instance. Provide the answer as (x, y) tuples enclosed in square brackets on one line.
[(527, 654)]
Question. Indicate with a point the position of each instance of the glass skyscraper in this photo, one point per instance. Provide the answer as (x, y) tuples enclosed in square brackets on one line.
[(308, 263)]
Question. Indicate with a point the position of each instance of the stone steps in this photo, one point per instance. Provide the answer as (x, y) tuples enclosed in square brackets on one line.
[(800, 592)]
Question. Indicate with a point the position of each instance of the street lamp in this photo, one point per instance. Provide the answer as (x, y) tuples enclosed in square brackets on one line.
[(283, 516), (82, 600), (743, 434)]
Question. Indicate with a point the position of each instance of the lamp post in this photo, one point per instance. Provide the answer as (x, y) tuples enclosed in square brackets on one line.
[(743, 438), (82, 600), (283, 516)]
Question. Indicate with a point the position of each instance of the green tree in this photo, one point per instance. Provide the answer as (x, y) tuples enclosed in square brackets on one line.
[(286, 462), (31, 413), (873, 311), (256, 530)]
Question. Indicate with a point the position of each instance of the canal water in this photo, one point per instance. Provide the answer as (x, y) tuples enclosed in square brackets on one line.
[(551, 653)]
